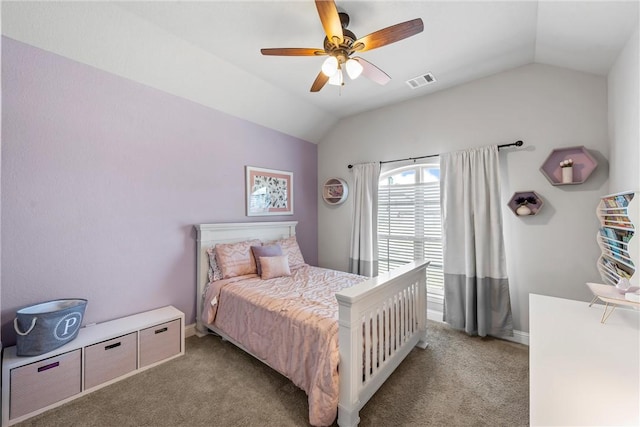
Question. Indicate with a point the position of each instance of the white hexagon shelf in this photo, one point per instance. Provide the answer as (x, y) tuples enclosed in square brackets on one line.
[(583, 165), (531, 201)]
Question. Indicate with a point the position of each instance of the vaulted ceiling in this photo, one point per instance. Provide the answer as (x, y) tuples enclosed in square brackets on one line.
[(209, 51)]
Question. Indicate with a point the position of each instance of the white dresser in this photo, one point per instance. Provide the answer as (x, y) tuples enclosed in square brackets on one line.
[(583, 372)]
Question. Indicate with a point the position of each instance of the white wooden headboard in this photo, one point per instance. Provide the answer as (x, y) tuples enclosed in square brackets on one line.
[(211, 234)]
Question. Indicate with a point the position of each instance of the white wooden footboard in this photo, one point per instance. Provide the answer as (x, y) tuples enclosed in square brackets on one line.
[(380, 321)]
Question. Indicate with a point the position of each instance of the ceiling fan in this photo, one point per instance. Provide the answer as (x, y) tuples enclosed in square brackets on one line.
[(340, 44)]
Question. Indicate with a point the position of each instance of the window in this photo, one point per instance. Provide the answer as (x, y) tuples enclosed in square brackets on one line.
[(409, 220)]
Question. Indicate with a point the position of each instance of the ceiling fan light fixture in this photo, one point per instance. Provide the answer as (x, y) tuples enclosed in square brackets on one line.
[(354, 68), (340, 43), (337, 79), (330, 66)]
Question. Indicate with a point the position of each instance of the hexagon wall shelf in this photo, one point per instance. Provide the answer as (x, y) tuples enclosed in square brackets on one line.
[(583, 165), (535, 207)]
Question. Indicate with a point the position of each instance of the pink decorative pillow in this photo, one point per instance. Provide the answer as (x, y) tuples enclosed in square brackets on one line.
[(236, 259), (274, 266), (214, 270), (292, 250), (265, 251)]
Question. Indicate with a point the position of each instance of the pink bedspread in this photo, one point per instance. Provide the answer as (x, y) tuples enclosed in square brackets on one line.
[(289, 322)]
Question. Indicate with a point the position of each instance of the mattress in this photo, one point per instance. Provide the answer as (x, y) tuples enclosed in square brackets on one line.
[(291, 323)]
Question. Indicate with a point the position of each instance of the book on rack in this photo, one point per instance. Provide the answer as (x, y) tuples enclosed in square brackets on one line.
[(619, 201)]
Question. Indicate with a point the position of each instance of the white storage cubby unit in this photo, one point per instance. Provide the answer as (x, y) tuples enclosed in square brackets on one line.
[(100, 355), (618, 216)]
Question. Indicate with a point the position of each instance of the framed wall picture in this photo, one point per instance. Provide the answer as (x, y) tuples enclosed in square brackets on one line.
[(269, 192)]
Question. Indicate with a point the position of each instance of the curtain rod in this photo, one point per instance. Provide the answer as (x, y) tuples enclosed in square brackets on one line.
[(516, 144)]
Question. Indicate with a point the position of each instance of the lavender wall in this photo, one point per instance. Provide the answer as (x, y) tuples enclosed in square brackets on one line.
[(103, 179)]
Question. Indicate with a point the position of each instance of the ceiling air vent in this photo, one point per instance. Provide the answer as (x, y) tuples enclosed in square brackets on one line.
[(420, 81)]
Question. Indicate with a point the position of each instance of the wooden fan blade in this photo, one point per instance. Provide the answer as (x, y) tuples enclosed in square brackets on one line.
[(330, 20), (319, 83), (372, 72), (293, 51), (389, 35)]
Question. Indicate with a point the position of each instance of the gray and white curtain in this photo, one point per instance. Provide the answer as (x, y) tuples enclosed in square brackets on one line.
[(476, 287), (363, 255)]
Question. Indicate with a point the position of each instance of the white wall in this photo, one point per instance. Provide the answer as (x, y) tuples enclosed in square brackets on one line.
[(624, 123), (624, 114), (552, 253)]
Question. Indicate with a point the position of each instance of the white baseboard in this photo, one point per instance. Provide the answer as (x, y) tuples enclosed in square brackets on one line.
[(189, 330), (519, 337)]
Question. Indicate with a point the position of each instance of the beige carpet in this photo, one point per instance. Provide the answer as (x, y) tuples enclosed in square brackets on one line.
[(456, 381)]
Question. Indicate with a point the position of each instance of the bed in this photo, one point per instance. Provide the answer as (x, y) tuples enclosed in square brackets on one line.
[(361, 327)]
